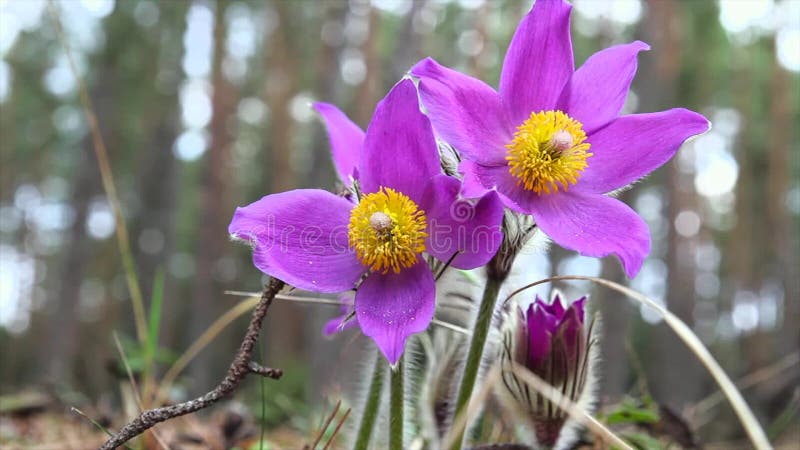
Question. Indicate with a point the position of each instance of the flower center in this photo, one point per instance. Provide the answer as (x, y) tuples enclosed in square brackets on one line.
[(548, 152), (387, 231)]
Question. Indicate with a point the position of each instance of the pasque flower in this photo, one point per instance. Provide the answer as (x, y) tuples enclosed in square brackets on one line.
[(374, 243), (552, 341), (551, 140)]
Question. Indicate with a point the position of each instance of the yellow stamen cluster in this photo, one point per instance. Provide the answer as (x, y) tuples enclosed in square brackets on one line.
[(548, 152), (387, 231)]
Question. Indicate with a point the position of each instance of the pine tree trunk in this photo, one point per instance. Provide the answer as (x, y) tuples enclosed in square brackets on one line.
[(207, 296)]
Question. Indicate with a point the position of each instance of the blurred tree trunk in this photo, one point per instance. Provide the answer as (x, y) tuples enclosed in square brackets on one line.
[(61, 349), (409, 44), (744, 244), (616, 313), (476, 67), (284, 325), (784, 232), (281, 84), (671, 387), (324, 352), (158, 182), (328, 89), (764, 146), (158, 171), (207, 295), (371, 89)]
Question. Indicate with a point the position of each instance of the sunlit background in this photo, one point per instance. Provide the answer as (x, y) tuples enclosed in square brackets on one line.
[(204, 105)]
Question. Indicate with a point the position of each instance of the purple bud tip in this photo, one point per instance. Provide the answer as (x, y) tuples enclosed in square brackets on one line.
[(552, 331)]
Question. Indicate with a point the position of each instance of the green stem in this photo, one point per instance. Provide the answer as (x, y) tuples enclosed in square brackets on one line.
[(473, 362), (371, 407), (396, 405)]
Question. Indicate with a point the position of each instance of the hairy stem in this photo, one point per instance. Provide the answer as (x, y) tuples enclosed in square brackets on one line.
[(473, 362), (371, 407), (396, 407), (241, 366)]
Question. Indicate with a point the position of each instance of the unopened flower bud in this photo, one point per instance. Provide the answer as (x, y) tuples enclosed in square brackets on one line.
[(552, 341)]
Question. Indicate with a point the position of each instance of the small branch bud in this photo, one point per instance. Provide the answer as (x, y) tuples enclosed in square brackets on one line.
[(268, 372)]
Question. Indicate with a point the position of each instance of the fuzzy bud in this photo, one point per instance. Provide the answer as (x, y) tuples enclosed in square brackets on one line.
[(553, 342)]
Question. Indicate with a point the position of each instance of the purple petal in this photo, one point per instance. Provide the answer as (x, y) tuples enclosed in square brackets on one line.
[(569, 331), (632, 146), (465, 112), (539, 60), (579, 307), (391, 307), (472, 186), (340, 323), (594, 225), (399, 149), (521, 340), (596, 92), (555, 308), (298, 237), (543, 317), (456, 225), (346, 140), (540, 326), (479, 179)]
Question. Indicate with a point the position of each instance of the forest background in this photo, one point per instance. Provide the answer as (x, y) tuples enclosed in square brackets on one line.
[(204, 105)]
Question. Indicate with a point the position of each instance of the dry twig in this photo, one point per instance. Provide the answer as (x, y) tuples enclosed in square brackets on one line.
[(241, 366)]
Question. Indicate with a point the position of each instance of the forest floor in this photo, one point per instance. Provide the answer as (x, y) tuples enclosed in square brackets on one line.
[(39, 424), (51, 429)]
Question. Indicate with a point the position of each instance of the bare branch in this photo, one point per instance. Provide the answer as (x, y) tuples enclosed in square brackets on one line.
[(268, 372), (241, 366)]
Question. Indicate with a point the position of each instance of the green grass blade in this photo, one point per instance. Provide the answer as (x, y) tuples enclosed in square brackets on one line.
[(154, 321)]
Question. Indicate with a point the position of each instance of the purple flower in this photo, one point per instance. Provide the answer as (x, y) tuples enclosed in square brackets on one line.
[(321, 242), (552, 341), (551, 141)]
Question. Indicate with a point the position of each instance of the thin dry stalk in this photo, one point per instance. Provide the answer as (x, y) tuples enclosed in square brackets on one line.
[(325, 425), (759, 376), (135, 387), (131, 379), (337, 429)]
